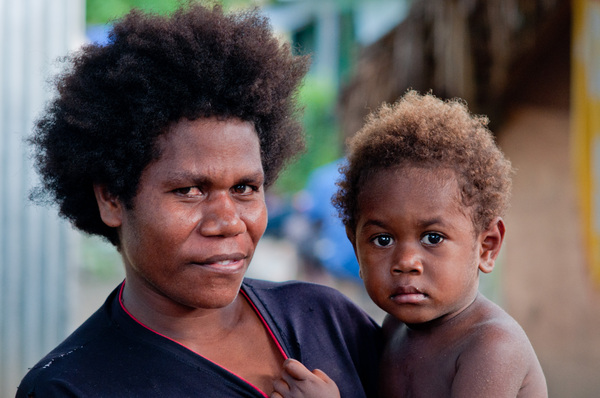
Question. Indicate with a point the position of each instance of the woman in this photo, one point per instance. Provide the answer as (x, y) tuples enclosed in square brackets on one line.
[(163, 142)]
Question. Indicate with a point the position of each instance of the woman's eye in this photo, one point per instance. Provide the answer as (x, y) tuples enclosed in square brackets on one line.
[(432, 239), (383, 240), (188, 191), (243, 189)]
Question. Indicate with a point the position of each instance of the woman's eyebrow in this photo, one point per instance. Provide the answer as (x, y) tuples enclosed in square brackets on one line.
[(253, 177), (200, 178), (177, 175)]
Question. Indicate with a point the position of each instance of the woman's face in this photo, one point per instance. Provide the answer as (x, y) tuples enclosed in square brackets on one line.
[(197, 216)]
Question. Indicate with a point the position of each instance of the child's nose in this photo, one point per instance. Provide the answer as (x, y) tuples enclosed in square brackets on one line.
[(407, 260)]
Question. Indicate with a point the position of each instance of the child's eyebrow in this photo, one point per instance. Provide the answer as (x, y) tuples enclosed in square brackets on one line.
[(374, 223), (431, 221)]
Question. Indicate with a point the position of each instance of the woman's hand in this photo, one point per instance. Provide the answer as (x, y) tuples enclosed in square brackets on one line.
[(298, 382)]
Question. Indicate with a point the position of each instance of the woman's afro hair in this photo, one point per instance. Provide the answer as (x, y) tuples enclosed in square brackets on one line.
[(424, 131), (115, 100)]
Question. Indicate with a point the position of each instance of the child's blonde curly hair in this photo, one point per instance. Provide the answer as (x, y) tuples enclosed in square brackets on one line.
[(422, 130)]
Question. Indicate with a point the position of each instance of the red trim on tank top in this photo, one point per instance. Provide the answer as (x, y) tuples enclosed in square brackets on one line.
[(265, 325), (175, 341)]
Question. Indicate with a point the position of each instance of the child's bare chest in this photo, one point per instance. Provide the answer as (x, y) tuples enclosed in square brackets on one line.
[(418, 367)]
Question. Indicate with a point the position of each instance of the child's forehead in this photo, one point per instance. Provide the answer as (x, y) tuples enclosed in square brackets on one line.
[(426, 172), (413, 196), (413, 182)]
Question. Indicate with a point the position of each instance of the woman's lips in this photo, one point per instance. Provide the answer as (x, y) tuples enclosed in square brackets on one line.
[(408, 295), (223, 263)]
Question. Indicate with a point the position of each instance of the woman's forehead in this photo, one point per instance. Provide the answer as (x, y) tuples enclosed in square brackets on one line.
[(205, 148)]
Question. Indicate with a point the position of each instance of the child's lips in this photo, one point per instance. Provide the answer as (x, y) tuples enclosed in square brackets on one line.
[(408, 295)]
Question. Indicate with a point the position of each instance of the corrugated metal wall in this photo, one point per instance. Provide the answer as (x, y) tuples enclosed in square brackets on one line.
[(37, 251)]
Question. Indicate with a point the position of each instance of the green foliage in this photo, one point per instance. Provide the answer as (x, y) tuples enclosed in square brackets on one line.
[(100, 259), (99, 12), (103, 11), (323, 143), (317, 97)]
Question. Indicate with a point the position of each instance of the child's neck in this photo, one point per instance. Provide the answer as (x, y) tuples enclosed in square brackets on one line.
[(445, 321)]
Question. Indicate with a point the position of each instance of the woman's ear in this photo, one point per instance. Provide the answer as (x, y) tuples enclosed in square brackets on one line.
[(111, 208), (490, 244)]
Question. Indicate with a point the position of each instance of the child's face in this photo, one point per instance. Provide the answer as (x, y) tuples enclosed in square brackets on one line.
[(419, 255)]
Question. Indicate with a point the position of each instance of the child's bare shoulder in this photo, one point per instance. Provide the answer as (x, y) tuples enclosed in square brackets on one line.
[(494, 333), (497, 348), (491, 323)]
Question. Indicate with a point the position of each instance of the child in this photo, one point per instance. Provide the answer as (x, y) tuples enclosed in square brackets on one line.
[(422, 198)]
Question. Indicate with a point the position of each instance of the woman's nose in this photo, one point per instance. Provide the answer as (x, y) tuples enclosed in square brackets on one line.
[(220, 217), (407, 260)]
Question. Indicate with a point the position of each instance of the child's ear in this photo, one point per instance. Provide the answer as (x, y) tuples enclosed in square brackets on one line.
[(490, 243), (352, 238), (111, 208)]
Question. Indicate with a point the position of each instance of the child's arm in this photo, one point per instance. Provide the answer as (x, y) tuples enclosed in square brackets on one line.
[(298, 382)]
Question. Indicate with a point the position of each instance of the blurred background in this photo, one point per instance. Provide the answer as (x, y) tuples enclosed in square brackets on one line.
[(533, 66)]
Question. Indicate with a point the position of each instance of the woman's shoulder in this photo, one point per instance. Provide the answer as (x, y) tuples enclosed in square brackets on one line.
[(287, 285), (295, 302), (69, 359), (295, 291)]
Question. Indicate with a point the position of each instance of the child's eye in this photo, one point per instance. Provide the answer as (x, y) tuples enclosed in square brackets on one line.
[(188, 191), (244, 189), (383, 240), (432, 238)]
